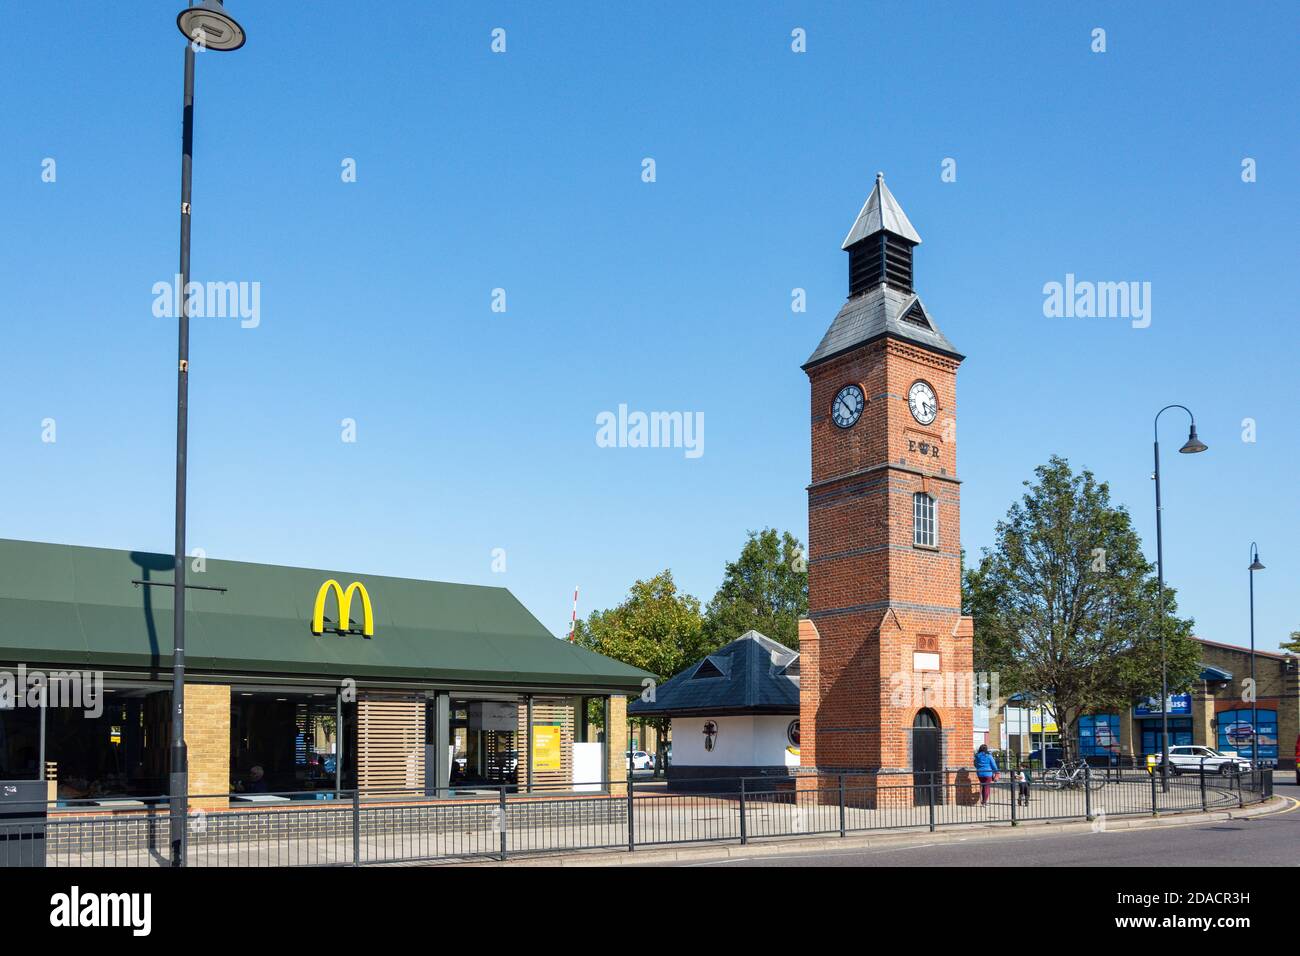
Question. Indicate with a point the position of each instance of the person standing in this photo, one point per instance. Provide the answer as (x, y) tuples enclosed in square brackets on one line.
[(986, 768)]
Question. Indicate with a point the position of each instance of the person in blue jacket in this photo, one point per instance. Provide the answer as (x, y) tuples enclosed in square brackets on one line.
[(986, 768)]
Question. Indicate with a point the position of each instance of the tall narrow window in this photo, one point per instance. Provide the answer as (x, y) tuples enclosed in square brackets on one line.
[(925, 524)]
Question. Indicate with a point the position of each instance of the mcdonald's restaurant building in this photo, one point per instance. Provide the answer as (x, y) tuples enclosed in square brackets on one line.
[(297, 680)]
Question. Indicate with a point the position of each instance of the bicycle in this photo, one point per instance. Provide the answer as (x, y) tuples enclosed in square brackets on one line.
[(1072, 775)]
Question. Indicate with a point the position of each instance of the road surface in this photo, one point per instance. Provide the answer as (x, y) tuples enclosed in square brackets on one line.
[(1267, 840)]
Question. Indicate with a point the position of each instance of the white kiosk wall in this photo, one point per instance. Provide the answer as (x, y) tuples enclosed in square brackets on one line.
[(761, 741)]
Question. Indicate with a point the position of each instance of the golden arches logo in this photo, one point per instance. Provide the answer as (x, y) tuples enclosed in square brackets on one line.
[(344, 599)]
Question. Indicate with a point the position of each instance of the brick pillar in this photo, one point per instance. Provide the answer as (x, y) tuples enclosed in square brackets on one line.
[(1126, 743), (1203, 734), (207, 738), (809, 702), (1288, 717), (616, 744)]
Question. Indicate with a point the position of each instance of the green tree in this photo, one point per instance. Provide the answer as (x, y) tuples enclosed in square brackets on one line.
[(656, 628), (765, 589), (1292, 645), (1065, 603)]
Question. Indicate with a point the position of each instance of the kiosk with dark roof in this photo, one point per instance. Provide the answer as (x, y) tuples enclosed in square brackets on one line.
[(734, 714)]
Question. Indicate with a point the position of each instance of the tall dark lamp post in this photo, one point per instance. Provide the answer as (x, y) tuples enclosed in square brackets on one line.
[(206, 26), (1254, 691), (1192, 446)]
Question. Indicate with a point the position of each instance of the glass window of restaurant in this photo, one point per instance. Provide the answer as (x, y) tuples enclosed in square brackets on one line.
[(20, 742), (290, 742), (483, 740), (116, 746), (525, 743)]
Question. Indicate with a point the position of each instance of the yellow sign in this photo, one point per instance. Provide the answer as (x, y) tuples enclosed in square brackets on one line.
[(546, 747), (344, 600)]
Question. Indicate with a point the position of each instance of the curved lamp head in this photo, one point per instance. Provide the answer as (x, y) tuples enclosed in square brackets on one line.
[(1193, 444), (1254, 564), (209, 25)]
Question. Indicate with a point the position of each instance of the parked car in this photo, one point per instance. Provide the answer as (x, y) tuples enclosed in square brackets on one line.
[(639, 760), (1195, 759)]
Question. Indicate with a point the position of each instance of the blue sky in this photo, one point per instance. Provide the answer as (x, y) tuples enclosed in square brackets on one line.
[(522, 171)]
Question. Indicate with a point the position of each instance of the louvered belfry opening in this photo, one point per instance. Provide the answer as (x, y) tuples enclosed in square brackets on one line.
[(883, 257), (706, 669), (916, 315)]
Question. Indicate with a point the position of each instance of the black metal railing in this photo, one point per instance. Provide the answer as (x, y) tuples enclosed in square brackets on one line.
[(352, 828)]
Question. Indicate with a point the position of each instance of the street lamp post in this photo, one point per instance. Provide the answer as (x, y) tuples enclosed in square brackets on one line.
[(206, 26), (1192, 446), (1254, 691)]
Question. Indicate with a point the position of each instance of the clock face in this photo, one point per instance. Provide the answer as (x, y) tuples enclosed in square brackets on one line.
[(848, 405), (921, 400)]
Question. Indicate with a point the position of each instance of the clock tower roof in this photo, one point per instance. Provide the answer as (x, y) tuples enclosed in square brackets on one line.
[(884, 311), (881, 300), (881, 213)]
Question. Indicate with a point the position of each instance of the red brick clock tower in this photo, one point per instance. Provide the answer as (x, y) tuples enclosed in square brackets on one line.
[(886, 653)]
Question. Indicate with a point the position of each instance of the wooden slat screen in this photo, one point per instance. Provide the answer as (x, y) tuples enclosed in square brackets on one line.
[(390, 742), (549, 710)]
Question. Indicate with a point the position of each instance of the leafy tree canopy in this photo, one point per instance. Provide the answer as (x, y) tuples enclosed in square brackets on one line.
[(656, 628), (1065, 603), (765, 589)]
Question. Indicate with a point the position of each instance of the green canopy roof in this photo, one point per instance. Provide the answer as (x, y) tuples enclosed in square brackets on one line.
[(74, 606)]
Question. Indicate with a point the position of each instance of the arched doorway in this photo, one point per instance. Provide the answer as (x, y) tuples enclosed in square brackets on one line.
[(927, 758)]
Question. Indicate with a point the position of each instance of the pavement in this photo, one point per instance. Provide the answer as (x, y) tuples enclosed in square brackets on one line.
[(1264, 835), (1230, 840)]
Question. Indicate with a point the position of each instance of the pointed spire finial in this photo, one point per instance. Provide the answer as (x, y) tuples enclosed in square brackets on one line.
[(881, 212)]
